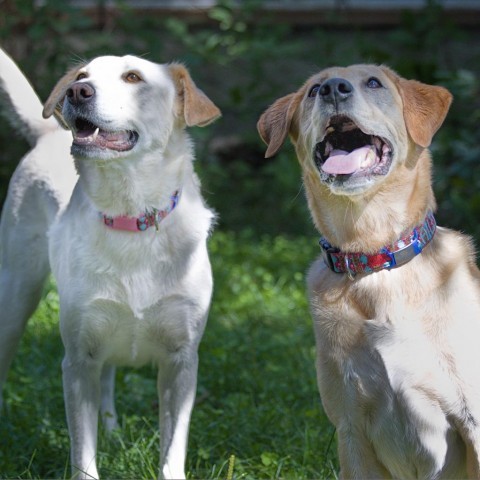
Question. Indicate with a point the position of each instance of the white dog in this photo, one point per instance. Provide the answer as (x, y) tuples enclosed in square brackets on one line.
[(126, 242)]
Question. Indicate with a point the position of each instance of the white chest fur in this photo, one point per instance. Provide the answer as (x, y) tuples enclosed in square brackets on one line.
[(126, 297)]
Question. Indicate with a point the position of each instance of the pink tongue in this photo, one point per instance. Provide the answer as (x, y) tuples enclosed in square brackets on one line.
[(343, 163)]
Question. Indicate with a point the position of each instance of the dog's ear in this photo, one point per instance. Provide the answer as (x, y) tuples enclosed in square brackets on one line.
[(197, 109), (275, 123), (424, 109), (54, 102)]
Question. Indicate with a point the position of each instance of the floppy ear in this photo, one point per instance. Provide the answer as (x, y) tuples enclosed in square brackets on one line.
[(55, 100), (424, 109), (198, 109), (275, 123)]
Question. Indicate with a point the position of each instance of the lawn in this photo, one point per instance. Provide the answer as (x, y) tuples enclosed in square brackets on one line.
[(258, 413)]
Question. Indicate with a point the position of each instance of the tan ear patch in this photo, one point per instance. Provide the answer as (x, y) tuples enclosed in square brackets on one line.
[(58, 93), (424, 109), (197, 109), (275, 123)]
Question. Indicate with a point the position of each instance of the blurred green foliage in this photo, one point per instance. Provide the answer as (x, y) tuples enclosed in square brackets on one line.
[(244, 61)]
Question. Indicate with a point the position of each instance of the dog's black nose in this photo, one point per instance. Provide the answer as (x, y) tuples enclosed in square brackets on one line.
[(80, 92), (335, 90)]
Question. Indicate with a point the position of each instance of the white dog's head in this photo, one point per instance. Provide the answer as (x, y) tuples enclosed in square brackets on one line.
[(118, 105)]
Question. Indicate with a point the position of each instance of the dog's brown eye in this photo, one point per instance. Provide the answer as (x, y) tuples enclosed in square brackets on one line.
[(314, 91), (133, 77), (81, 76), (374, 83)]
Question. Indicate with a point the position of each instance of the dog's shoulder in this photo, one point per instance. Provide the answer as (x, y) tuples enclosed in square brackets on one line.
[(453, 254)]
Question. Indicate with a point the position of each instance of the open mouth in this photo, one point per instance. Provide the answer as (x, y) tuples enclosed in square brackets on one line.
[(86, 134), (346, 150)]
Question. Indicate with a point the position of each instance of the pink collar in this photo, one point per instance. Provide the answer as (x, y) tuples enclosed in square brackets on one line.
[(143, 221)]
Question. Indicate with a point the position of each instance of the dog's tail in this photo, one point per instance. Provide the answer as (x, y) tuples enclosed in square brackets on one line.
[(23, 107)]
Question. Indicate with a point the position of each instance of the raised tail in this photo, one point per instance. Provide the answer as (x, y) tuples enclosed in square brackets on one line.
[(23, 107)]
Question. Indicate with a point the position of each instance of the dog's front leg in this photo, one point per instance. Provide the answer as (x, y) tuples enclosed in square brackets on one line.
[(177, 382), (81, 385), (107, 403)]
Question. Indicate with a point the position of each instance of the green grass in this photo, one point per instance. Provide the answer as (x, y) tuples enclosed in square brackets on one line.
[(258, 411)]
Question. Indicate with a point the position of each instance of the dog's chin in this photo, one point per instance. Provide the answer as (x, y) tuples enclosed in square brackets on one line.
[(92, 141), (349, 161)]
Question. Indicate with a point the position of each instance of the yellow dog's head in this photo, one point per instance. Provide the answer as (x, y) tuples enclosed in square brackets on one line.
[(353, 126)]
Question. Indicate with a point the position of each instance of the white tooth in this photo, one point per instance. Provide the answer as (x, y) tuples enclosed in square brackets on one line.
[(369, 159), (95, 134)]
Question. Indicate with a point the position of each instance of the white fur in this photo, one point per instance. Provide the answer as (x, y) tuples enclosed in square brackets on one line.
[(126, 298)]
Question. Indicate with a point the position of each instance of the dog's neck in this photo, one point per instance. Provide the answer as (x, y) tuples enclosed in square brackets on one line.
[(367, 223), (137, 183)]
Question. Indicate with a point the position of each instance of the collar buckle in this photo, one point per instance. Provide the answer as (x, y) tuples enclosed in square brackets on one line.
[(327, 251)]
